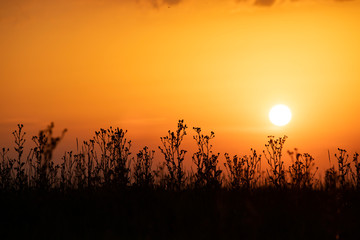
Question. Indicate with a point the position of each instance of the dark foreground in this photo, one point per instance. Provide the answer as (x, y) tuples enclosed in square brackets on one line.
[(262, 214)]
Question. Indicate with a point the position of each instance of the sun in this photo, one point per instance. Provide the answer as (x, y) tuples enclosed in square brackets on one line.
[(280, 115)]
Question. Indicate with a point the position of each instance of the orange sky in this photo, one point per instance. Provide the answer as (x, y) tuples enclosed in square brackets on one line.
[(220, 65)]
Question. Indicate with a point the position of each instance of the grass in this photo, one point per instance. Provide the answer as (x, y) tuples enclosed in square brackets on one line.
[(103, 191)]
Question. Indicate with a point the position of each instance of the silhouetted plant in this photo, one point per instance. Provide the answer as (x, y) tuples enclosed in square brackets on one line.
[(66, 171), (356, 173), (6, 167), (331, 177), (45, 170), (110, 166), (91, 163), (80, 170), (143, 176), (160, 176), (344, 167), (115, 150), (273, 154), (207, 173), (301, 175), (242, 171), (20, 178), (174, 156)]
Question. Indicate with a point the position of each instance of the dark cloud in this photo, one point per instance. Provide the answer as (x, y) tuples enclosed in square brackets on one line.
[(260, 3), (8, 7), (159, 3), (265, 3), (172, 2)]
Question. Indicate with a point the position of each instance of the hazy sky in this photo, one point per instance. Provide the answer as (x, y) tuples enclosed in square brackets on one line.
[(220, 65)]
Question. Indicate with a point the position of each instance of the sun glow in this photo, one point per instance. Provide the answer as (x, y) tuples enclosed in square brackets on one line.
[(280, 115)]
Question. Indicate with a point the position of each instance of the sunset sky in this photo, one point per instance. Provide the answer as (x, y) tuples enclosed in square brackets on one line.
[(220, 65)]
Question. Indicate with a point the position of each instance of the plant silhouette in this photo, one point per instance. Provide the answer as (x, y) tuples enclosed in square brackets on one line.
[(105, 161), (174, 156), (344, 167), (273, 155), (301, 175), (356, 173), (100, 187), (207, 172), (45, 170), (244, 172), (143, 175)]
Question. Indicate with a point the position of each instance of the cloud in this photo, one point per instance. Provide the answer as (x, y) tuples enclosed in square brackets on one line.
[(259, 3), (15, 11), (160, 3), (265, 3), (172, 2)]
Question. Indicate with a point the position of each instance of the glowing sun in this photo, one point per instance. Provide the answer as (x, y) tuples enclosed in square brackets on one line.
[(280, 115)]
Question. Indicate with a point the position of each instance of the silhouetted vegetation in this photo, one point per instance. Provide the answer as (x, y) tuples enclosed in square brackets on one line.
[(174, 157), (244, 172), (356, 173), (106, 161), (273, 155), (344, 167), (102, 179), (301, 174), (207, 173), (143, 174)]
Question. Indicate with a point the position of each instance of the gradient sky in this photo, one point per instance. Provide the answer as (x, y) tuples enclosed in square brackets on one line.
[(220, 65)]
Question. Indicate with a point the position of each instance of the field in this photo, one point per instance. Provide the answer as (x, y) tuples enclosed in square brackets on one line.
[(97, 194), (132, 214)]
